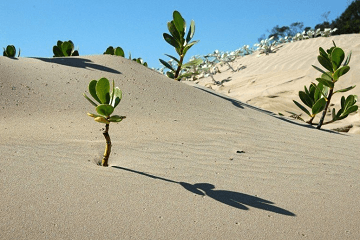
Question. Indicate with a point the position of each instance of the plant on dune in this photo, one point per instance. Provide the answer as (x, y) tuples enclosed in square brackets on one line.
[(318, 97), (10, 51), (176, 38), (120, 52), (115, 51), (65, 49), (108, 101)]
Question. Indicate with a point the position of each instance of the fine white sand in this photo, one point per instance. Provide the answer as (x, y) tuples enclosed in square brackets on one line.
[(187, 162)]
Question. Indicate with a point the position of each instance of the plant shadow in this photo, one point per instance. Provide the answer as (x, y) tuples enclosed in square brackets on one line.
[(78, 63), (233, 199)]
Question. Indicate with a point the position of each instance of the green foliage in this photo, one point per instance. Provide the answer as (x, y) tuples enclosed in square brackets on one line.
[(10, 51), (181, 43), (64, 49), (314, 98), (318, 97), (107, 99), (115, 51)]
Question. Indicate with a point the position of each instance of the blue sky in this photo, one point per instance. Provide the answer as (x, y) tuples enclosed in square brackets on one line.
[(137, 26)]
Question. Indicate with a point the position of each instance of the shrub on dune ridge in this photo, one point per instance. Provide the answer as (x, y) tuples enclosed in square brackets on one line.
[(108, 101), (65, 49), (10, 51)]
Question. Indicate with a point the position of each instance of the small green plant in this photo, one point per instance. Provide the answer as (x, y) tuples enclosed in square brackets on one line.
[(314, 98), (10, 51), (120, 52), (115, 51), (65, 49), (318, 97), (176, 38), (108, 101)]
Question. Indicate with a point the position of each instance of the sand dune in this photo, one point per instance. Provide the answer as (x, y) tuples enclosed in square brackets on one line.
[(272, 81), (186, 163)]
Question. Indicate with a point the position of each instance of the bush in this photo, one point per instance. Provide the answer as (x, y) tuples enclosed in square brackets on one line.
[(65, 49)]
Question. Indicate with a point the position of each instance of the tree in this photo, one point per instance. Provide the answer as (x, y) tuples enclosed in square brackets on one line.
[(349, 20)]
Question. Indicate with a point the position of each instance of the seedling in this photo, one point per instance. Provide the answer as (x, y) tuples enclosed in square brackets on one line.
[(10, 51), (65, 49), (318, 97), (176, 38), (108, 101)]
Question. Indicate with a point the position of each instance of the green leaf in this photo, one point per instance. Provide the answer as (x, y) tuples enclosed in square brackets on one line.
[(75, 53), (10, 51), (302, 108), (345, 89), (170, 75), (306, 99), (91, 101), (92, 90), (105, 109), (342, 102), (173, 31), (180, 23), (166, 64), (351, 109), (325, 82), (337, 57), (325, 63), (192, 63), (67, 48), (323, 53), (119, 52), (174, 58), (191, 31), (318, 106), (350, 100), (103, 90), (347, 61), (341, 71), (109, 50), (322, 71), (116, 118), (171, 40), (57, 52), (117, 97), (188, 46)]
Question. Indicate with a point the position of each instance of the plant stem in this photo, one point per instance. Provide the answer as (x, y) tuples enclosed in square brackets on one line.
[(105, 159), (326, 107), (179, 67)]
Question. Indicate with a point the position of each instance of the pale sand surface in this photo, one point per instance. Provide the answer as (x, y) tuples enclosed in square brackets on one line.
[(175, 172)]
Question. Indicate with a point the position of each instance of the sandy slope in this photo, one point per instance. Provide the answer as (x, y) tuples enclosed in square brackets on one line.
[(272, 81), (187, 163)]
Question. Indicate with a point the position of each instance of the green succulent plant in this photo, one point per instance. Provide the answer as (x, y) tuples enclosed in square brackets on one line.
[(177, 39), (115, 51), (108, 100), (318, 97), (314, 98), (65, 49), (10, 51)]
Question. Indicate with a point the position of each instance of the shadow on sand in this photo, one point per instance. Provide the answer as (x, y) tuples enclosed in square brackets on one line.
[(230, 198), (242, 105), (78, 62)]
